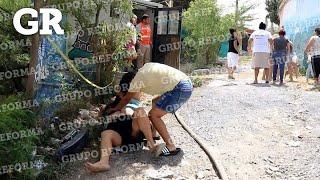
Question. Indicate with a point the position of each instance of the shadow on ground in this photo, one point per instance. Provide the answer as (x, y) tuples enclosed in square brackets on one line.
[(124, 165)]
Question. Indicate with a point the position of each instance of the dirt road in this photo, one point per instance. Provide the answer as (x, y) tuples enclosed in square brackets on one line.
[(261, 131)]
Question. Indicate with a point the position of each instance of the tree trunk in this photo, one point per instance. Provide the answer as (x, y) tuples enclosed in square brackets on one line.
[(34, 54), (237, 13)]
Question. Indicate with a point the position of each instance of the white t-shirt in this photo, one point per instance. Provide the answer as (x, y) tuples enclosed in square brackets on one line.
[(316, 46), (261, 41)]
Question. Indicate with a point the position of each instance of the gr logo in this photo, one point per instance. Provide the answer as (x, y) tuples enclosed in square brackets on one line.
[(46, 21)]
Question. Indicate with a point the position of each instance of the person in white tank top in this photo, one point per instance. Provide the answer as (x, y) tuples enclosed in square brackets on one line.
[(313, 49)]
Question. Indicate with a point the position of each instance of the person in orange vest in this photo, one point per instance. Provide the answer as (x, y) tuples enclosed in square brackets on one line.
[(145, 41)]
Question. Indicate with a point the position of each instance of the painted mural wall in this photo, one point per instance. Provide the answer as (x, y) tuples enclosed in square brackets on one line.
[(300, 18), (75, 44)]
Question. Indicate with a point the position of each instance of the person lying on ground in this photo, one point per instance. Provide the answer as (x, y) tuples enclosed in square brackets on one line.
[(125, 131), (172, 88)]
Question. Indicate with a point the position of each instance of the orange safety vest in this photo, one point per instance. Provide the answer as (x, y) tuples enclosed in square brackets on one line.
[(145, 34)]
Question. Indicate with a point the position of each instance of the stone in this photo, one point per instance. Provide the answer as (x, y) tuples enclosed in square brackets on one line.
[(200, 175), (273, 168), (309, 128), (55, 141), (202, 72), (157, 175), (269, 172), (290, 123), (294, 143)]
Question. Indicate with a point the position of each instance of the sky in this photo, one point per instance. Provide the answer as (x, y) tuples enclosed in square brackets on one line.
[(228, 6)]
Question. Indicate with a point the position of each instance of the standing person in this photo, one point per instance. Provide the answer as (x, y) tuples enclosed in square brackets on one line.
[(172, 88), (145, 41), (233, 53), (313, 48), (291, 64), (260, 46), (309, 72), (281, 49), (131, 45)]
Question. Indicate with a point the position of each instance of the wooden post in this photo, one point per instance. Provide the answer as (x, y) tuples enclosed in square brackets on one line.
[(34, 54)]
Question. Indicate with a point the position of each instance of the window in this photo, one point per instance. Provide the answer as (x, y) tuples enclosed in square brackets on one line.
[(174, 22), (168, 22), (162, 22)]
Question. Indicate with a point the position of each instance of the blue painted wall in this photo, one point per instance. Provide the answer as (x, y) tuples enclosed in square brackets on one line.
[(300, 18)]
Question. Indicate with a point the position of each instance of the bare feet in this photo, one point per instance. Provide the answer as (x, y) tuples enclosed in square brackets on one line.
[(97, 167), (171, 147)]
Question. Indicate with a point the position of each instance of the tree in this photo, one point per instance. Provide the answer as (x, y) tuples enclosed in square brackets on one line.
[(273, 10), (242, 15), (14, 51), (33, 53), (106, 41), (176, 3), (182, 3), (204, 22)]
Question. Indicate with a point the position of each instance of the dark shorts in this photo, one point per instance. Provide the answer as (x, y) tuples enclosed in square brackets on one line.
[(315, 61), (171, 101), (123, 126)]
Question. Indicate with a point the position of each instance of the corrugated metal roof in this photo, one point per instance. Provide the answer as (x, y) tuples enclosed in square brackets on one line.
[(147, 4)]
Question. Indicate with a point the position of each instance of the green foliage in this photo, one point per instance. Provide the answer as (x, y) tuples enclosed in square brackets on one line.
[(205, 23), (243, 16), (182, 3), (12, 57), (112, 35), (17, 151), (303, 71), (273, 10), (197, 82), (211, 25)]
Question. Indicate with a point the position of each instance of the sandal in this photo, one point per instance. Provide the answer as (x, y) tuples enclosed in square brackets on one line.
[(165, 152)]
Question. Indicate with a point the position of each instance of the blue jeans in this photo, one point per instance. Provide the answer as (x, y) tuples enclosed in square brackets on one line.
[(279, 61), (171, 101)]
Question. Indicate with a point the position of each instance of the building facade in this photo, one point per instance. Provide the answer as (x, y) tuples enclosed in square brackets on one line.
[(300, 18)]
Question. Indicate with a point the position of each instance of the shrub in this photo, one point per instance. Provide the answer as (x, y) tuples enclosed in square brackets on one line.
[(17, 150), (69, 111), (197, 82)]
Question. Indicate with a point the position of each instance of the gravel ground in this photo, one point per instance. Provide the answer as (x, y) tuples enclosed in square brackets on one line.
[(191, 164), (260, 131)]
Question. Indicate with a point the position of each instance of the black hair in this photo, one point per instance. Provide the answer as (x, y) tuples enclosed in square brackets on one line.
[(144, 17), (231, 30), (282, 32), (317, 30), (262, 26), (124, 87), (125, 81)]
